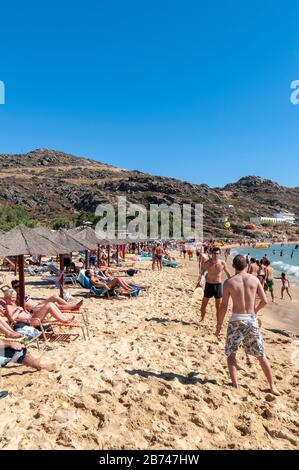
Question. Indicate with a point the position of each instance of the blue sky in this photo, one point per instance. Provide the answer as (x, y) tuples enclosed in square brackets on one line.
[(191, 89)]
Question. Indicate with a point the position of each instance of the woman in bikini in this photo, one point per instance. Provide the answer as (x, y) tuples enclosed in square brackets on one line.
[(104, 282), (262, 273), (36, 316), (285, 286)]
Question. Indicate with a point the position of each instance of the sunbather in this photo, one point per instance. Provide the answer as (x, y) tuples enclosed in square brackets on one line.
[(15, 352), (5, 328), (58, 301), (107, 277), (111, 271), (104, 282), (36, 316)]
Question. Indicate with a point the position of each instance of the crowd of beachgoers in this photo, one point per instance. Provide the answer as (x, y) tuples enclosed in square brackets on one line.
[(130, 303)]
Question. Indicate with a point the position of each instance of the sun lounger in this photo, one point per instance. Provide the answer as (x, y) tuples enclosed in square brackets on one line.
[(50, 335), (167, 262), (67, 278), (84, 281), (101, 292)]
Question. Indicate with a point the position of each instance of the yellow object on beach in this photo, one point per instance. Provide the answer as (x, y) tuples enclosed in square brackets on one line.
[(64, 405), (218, 244), (262, 245)]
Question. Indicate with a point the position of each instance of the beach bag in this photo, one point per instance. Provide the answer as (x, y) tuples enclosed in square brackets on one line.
[(28, 331), (67, 296), (131, 272)]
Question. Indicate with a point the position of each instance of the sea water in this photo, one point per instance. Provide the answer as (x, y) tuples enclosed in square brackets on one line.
[(281, 260)]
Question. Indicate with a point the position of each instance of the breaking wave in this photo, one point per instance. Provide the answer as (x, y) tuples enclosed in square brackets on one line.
[(287, 268)]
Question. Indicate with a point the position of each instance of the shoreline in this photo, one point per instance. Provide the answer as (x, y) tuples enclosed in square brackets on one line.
[(281, 315)]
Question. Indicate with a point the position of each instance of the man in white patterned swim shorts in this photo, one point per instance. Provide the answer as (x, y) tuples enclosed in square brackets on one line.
[(243, 327)]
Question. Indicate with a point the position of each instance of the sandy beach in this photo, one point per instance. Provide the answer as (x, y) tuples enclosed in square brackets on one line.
[(151, 377), (283, 314)]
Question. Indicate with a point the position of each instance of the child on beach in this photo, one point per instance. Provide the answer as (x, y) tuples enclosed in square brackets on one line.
[(285, 286)]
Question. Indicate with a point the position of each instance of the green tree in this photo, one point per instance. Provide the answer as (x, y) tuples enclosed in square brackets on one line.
[(61, 222), (13, 215)]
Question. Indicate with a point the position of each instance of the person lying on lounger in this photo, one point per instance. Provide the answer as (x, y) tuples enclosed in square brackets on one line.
[(24, 328), (38, 314), (103, 282), (111, 271), (12, 351), (107, 276), (30, 304)]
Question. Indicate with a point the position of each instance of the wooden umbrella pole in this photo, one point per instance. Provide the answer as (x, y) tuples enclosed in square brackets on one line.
[(86, 260), (20, 259), (61, 268), (117, 254), (108, 255)]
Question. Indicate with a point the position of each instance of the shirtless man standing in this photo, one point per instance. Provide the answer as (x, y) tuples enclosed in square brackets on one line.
[(253, 267), (202, 259), (213, 288), (243, 326), (269, 279)]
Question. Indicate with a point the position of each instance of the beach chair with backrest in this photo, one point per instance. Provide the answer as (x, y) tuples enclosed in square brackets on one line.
[(29, 333), (68, 278), (84, 281), (50, 333), (167, 262), (101, 292)]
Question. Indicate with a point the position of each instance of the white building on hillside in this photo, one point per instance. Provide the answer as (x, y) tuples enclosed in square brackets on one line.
[(286, 216), (279, 218)]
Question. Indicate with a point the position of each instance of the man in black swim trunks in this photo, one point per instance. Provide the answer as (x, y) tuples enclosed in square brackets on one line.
[(214, 268)]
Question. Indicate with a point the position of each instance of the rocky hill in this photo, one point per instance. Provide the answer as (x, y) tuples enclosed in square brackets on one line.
[(51, 184)]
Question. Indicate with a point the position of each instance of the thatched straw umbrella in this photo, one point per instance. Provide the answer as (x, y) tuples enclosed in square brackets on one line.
[(88, 237), (22, 241), (63, 238), (3, 248)]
